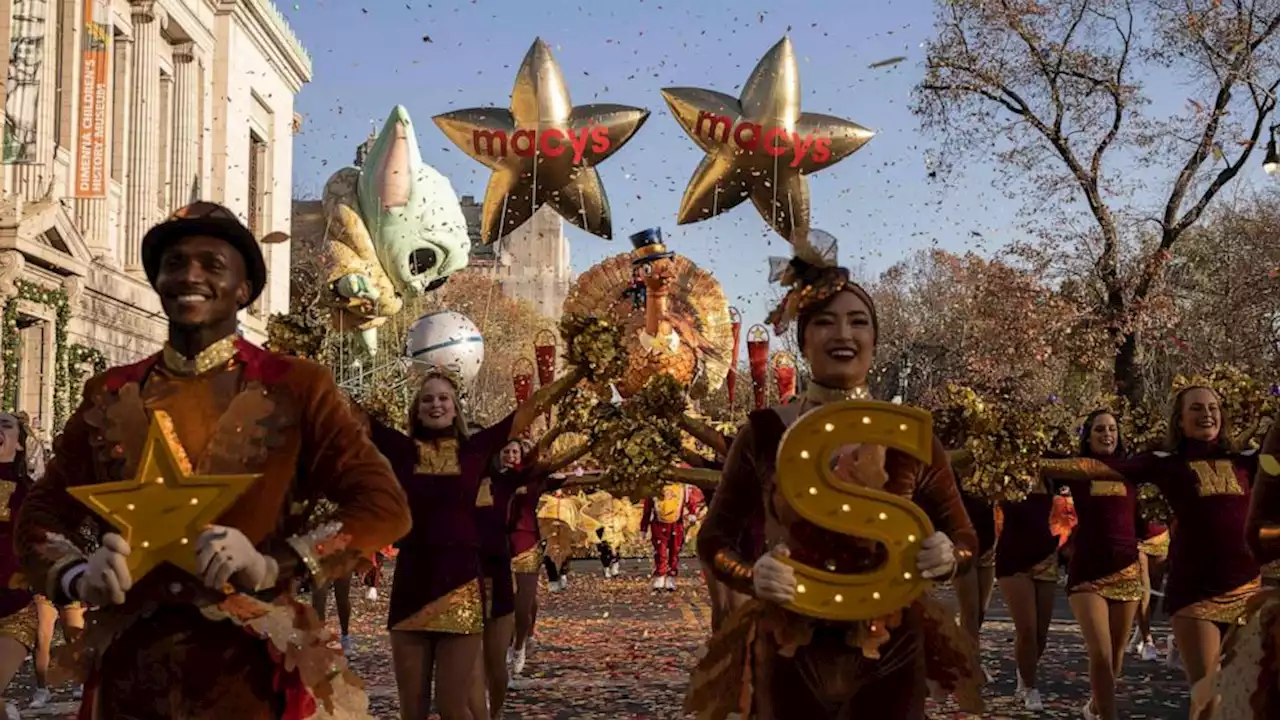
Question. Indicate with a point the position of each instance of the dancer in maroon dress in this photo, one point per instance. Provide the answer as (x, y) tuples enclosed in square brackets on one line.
[(1027, 571), (1104, 583), (784, 665), (1212, 574), (436, 616)]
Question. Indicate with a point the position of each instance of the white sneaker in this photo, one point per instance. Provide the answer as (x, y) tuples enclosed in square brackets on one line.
[(77, 693), (659, 583), (346, 644), (1087, 711), (40, 698), (616, 567), (671, 583), (517, 661), (1149, 651), (1031, 700), (371, 594), (11, 711)]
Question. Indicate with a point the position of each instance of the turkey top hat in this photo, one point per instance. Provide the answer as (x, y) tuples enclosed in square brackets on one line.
[(648, 247)]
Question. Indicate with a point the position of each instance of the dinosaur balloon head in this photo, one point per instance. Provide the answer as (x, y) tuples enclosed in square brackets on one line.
[(411, 211)]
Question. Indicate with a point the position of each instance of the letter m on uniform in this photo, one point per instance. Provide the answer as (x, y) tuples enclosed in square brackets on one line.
[(438, 458), (1217, 477)]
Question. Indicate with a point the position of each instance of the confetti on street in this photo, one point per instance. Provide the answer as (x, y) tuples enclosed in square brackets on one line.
[(614, 649)]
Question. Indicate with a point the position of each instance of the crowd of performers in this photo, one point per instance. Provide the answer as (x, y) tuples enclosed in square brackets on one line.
[(457, 506)]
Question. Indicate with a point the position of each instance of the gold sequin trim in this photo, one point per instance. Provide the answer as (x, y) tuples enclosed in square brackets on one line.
[(822, 394), (216, 355), (1078, 469), (732, 566), (1123, 586), (21, 626), (528, 561), (1046, 570), (1157, 546), (460, 612), (1108, 488), (1229, 608)]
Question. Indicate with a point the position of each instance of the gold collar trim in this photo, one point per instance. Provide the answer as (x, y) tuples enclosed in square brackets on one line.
[(216, 355), (821, 394)]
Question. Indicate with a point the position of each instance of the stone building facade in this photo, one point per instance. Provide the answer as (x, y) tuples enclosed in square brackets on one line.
[(117, 112), (532, 262)]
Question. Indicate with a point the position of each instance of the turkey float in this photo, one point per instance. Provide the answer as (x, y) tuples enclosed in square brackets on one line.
[(674, 315)]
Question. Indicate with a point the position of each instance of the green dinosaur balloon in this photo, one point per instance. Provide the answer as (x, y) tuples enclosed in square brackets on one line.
[(395, 229)]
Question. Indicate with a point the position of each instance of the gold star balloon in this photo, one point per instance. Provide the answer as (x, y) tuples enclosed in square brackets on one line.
[(760, 146), (165, 507), (543, 151)]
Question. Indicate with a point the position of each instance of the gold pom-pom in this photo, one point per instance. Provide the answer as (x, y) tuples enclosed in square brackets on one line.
[(595, 346), (662, 397)]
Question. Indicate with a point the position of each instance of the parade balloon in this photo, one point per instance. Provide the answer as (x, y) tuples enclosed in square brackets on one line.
[(446, 339), (543, 150), (759, 145)]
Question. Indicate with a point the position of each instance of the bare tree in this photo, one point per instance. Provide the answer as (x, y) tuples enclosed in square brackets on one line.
[(1058, 89)]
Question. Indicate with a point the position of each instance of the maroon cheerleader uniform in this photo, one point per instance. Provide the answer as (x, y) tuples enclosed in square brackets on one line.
[(17, 609), (437, 584), (1212, 574), (1105, 557), (1027, 544)]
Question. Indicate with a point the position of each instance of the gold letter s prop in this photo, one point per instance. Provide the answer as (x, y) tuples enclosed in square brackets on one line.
[(810, 486)]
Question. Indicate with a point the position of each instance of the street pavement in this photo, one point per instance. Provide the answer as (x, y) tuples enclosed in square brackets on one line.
[(612, 649)]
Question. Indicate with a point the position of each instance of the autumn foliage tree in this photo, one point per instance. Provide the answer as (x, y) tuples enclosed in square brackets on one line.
[(981, 323), (1060, 90)]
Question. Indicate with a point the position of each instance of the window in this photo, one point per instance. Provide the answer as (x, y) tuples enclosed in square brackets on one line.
[(257, 203), (257, 166), (34, 381)]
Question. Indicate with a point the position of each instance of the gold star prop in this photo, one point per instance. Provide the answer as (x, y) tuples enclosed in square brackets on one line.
[(760, 145), (543, 151), (165, 507)]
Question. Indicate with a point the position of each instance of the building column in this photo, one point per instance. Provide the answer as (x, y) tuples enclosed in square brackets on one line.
[(144, 107), (164, 124), (186, 141)]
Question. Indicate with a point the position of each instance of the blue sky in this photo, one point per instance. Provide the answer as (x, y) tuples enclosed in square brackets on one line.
[(372, 54)]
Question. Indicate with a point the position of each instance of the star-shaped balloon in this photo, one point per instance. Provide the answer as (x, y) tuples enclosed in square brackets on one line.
[(165, 507), (543, 151), (760, 145)]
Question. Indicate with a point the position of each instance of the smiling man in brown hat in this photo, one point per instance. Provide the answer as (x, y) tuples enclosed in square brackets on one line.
[(232, 641)]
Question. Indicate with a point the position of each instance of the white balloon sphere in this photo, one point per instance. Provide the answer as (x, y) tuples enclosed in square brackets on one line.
[(446, 339)]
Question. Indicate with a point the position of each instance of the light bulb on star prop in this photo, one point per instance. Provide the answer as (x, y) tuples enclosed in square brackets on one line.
[(760, 145), (543, 150), (166, 506)]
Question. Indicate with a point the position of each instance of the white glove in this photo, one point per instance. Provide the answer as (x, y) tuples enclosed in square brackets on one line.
[(105, 578), (773, 579), (937, 556), (224, 552)]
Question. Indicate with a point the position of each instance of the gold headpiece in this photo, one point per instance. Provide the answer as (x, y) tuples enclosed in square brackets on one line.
[(811, 276)]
